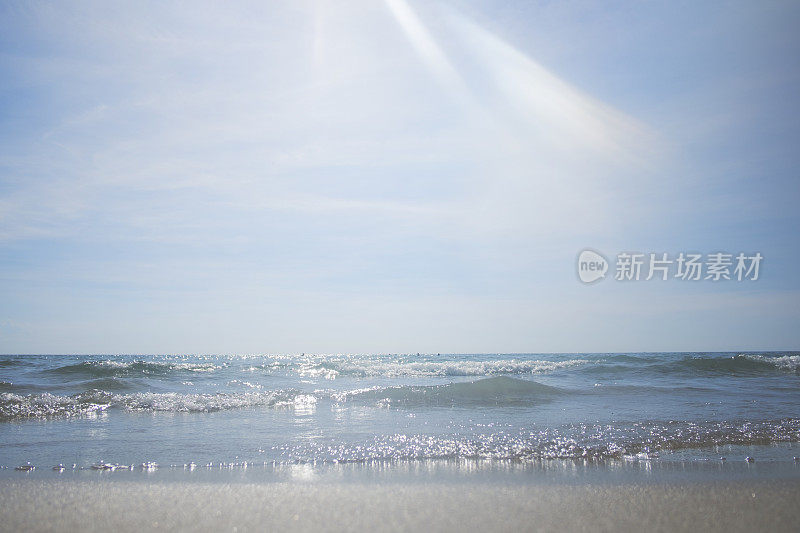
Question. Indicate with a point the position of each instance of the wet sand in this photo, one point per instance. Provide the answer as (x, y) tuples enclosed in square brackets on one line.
[(58, 505)]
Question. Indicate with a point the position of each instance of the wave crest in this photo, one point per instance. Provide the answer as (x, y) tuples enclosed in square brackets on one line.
[(500, 390), (110, 369), (331, 369), (741, 364), (736, 365), (46, 405)]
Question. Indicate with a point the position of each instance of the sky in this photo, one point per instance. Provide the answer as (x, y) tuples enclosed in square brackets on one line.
[(394, 176)]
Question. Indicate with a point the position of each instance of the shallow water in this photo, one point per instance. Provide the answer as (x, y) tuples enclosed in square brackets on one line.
[(524, 409)]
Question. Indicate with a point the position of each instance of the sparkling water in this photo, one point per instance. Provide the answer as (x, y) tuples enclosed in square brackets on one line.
[(115, 412)]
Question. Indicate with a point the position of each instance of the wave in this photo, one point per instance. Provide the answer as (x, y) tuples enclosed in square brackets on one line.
[(4, 363), (626, 358), (108, 369), (736, 365), (46, 405), (741, 364), (398, 369), (783, 362), (108, 384), (642, 440), (501, 390), (495, 391)]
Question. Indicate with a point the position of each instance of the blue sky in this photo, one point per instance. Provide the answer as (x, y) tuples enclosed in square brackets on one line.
[(393, 176)]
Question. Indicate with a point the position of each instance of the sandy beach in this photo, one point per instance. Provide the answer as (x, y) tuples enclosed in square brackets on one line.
[(52, 505), (399, 265)]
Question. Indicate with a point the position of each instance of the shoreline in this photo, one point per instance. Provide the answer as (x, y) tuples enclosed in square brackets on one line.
[(68, 505), (767, 464)]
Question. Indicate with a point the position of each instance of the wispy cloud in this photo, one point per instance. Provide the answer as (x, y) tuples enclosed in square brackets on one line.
[(347, 147), (239, 120)]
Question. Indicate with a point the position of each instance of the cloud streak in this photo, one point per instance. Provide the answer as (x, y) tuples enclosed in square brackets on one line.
[(352, 149)]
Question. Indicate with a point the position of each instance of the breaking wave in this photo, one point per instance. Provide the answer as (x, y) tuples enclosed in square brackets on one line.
[(697, 365), (107, 369), (399, 369), (102, 369), (741, 364), (500, 390), (46, 405), (495, 391)]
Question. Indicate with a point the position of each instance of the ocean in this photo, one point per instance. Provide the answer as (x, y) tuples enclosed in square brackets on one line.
[(411, 413)]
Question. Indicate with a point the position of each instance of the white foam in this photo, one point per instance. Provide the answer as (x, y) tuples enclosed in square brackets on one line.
[(396, 369), (49, 405), (784, 362)]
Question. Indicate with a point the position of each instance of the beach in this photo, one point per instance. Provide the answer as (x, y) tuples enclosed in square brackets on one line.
[(174, 410), (399, 265), (52, 505), (401, 442)]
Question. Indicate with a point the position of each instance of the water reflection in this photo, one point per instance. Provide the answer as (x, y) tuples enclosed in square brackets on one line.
[(548, 471)]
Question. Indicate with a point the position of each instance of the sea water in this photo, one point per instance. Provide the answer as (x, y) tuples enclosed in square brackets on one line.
[(302, 413)]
